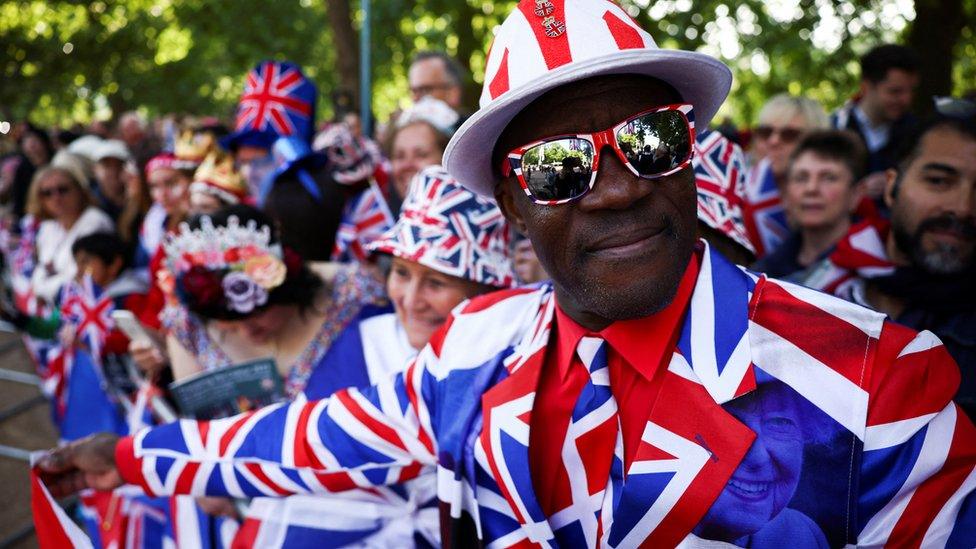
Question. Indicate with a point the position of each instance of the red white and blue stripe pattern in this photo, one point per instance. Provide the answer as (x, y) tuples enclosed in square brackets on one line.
[(720, 179), (448, 228), (89, 311), (369, 350), (899, 470), (365, 218), (591, 440), (278, 101), (858, 256), (765, 217)]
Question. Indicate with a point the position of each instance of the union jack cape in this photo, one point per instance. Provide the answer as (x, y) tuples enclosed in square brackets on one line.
[(855, 413)]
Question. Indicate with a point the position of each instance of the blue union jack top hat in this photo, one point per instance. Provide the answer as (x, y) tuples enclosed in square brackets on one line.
[(278, 101), (445, 227), (545, 44)]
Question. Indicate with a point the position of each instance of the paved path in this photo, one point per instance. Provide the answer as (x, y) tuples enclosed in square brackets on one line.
[(25, 425)]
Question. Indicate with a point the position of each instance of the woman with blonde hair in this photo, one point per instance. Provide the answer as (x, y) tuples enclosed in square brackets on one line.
[(64, 207), (783, 121)]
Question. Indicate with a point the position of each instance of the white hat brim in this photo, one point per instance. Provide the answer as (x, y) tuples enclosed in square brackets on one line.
[(700, 79)]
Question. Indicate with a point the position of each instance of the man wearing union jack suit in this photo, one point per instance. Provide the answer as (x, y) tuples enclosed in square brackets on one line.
[(653, 394), (919, 267)]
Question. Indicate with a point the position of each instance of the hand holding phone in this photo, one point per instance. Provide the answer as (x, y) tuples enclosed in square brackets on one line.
[(130, 326)]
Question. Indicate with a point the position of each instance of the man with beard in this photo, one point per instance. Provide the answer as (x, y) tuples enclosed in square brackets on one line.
[(920, 269), (616, 405)]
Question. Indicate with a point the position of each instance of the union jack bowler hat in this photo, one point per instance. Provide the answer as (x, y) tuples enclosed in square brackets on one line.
[(448, 228), (545, 44), (278, 101)]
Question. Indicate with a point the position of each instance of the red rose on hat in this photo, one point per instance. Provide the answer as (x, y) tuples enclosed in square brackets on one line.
[(202, 286)]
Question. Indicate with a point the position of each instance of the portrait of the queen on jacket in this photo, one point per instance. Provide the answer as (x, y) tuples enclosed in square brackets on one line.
[(781, 491)]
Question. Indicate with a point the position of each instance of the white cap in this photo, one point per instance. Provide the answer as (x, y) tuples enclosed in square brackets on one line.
[(86, 146), (112, 148)]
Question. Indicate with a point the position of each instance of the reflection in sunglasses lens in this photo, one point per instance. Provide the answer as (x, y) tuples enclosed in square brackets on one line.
[(559, 169), (655, 143)]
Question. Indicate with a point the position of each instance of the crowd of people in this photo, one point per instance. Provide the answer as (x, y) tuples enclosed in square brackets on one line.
[(597, 321)]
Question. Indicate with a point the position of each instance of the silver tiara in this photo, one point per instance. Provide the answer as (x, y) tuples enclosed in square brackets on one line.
[(211, 242)]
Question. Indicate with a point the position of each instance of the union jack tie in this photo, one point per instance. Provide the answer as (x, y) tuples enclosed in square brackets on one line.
[(592, 454)]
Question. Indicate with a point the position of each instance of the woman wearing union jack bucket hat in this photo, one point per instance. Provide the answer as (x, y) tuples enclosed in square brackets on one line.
[(448, 245)]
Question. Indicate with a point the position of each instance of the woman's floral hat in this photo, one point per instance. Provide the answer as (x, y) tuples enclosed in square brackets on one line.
[(233, 267)]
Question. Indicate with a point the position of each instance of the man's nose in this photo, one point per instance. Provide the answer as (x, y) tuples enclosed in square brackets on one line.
[(616, 187), (963, 205)]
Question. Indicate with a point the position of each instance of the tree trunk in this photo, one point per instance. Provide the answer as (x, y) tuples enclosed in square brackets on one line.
[(346, 42), (934, 35), (468, 43)]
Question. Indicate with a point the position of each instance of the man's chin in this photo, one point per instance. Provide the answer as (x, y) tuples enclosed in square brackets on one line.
[(629, 300), (945, 258)]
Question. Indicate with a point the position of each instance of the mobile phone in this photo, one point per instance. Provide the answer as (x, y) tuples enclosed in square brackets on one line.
[(130, 325)]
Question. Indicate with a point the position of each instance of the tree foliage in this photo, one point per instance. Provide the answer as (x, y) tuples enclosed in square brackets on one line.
[(69, 60)]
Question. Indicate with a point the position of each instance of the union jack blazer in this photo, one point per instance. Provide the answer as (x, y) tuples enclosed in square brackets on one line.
[(784, 414)]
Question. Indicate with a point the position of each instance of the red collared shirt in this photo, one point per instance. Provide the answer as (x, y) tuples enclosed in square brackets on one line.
[(638, 351)]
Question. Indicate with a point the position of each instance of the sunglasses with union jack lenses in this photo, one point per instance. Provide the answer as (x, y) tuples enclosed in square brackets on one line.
[(559, 169)]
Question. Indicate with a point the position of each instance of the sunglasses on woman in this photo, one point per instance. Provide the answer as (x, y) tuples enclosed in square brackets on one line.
[(559, 169), (787, 135), (60, 190)]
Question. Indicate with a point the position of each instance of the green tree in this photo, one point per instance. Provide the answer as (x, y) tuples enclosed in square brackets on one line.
[(68, 60)]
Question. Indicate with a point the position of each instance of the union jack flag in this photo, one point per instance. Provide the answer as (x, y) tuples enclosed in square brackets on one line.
[(765, 217), (89, 312), (21, 266), (277, 98), (364, 219)]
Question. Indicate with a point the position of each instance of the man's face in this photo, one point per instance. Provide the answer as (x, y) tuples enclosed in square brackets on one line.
[(892, 97), (619, 251), (131, 132), (102, 273), (932, 212), (108, 172), (254, 163), (429, 77)]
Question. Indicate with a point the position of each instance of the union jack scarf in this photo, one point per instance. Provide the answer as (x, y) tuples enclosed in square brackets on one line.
[(860, 254)]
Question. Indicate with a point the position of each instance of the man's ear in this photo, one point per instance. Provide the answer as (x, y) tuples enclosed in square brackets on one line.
[(505, 198), (864, 87), (891, 187)]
